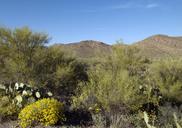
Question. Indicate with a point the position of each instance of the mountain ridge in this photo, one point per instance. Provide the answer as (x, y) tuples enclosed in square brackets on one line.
[(161, 46), (86, 48), (155, 46)]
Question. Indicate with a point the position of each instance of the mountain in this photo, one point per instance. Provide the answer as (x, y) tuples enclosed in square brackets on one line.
[(158, 46), (87, 48)]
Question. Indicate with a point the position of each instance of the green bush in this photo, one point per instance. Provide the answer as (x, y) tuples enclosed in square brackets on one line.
[(44, 112), (8, 110), (59, 72), (24, 57), (17, 52), (117, 81), (167, 76)]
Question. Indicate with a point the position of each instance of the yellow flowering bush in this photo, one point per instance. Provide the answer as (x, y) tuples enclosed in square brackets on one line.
[(44, 112)]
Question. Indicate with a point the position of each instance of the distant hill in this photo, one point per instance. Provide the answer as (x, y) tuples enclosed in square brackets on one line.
[(158, 46), (87, 48)]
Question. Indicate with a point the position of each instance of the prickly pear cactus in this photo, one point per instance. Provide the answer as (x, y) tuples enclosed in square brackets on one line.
[(22, 94)]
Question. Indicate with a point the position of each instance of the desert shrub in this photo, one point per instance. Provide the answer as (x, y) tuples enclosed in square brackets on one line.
[(119, 121), (25, 58), (45, 112), (166, 116), (17, 51), (167, 75), (137, 120), (117, 81), (59, 72), (7, 109)]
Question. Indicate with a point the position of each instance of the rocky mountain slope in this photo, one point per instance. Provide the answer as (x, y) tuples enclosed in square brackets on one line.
[(87, 48), (156, 46), (161, 46)]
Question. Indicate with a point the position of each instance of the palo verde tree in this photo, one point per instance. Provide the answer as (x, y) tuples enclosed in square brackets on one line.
[(117, 81), (25, 58), (17, 50)]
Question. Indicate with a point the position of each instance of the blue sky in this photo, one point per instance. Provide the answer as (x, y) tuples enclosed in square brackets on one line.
[(104, 20)]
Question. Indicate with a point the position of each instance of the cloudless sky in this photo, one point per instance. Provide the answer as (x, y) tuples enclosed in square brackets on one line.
[(104, 20)]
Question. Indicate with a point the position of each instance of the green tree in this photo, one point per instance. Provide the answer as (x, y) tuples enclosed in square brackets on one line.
[(25, 58), (17, 50)]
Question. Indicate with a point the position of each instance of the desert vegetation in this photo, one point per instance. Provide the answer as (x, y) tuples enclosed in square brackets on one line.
[(45, 85)]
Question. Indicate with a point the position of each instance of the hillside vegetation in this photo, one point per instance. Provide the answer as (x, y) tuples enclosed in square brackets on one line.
[(89, 84)]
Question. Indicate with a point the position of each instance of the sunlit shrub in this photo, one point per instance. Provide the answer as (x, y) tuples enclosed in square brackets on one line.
[(44, 112), (8, 110), (117, 81), (167, 75)]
